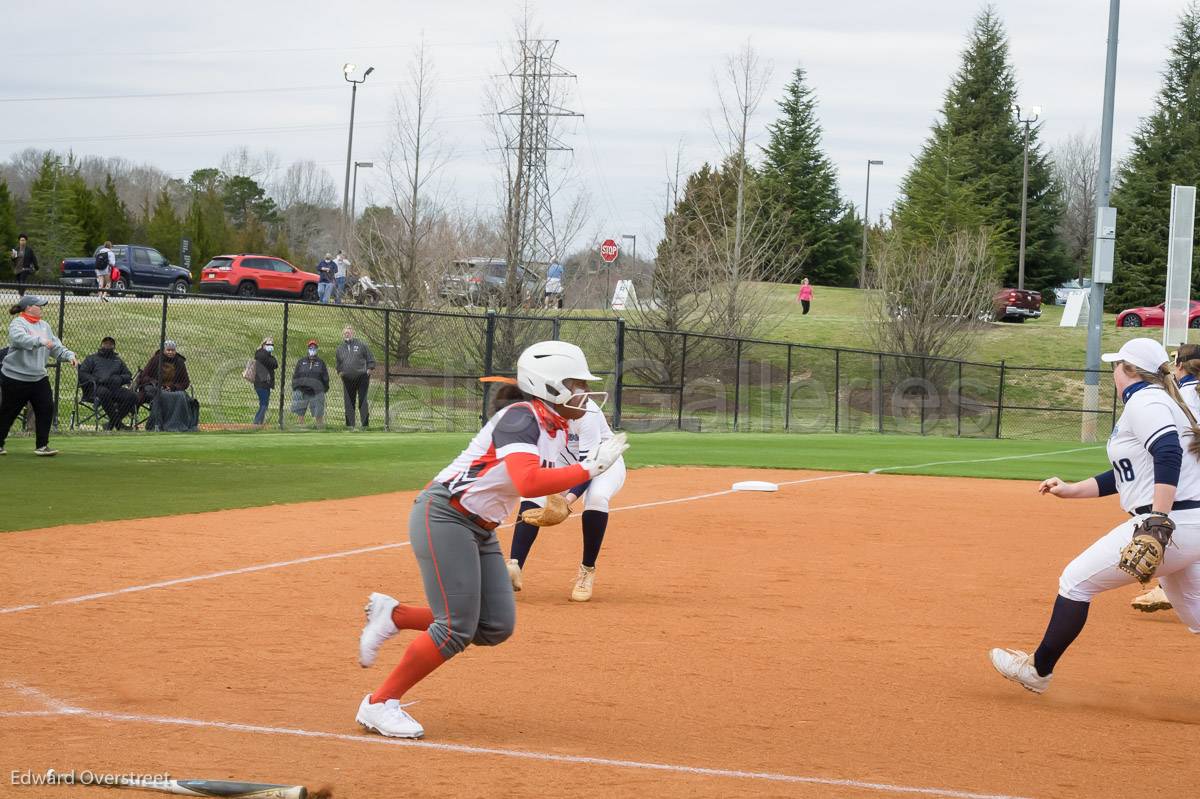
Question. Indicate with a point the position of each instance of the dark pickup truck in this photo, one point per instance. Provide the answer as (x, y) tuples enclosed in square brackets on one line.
[(1016, 305), (141, 268)]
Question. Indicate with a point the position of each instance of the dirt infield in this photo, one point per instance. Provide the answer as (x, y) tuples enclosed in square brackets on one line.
[(828, 640)]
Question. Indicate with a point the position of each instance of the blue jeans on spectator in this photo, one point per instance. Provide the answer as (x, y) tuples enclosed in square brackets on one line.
[(324, 290), (264, 396), (341, 288)]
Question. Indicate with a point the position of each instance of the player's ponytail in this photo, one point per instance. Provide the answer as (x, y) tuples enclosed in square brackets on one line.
[(507, 392), (1166, 379), (1188, 359)]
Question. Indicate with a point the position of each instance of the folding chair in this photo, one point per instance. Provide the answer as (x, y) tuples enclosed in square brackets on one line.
[(87, 410)]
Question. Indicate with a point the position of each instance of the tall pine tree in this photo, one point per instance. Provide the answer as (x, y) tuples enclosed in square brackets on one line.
[(1166, 150), (799, 182), (114, 215), (164, 229), (54, 232), (978, 141), (8, 228)]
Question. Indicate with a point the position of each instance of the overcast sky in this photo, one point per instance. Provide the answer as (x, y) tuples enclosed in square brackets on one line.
[(645, 80)]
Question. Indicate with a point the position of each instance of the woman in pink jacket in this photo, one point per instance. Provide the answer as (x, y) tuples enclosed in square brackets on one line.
[(805, 295)]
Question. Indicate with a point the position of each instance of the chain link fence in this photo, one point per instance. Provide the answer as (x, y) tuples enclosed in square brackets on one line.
[(428, 365)]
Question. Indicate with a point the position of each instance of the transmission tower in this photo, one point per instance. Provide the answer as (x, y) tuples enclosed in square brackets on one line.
[(531, 137)]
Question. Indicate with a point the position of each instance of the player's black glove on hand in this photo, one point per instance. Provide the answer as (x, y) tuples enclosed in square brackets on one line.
[(1142, 556)]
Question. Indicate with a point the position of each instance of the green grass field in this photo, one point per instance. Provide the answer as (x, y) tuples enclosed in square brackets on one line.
[(133, 476)]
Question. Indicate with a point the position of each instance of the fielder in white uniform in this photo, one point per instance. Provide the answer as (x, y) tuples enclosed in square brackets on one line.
[(1153, 452), (1187, 370), (586, 434)]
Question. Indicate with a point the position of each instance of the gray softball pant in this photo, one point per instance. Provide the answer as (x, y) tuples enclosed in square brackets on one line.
[(462, 568)]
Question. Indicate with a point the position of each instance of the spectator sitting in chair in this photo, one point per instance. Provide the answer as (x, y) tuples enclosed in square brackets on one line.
[(105, 378), (167, 369)]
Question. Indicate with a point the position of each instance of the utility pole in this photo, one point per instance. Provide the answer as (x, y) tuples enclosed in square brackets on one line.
[(1104, 243), (1036, 111), (862, 271), (347, 71), (531, 215)]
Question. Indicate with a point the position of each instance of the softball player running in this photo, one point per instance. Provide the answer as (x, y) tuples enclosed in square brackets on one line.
[(1187, 370), (453, 522), (1159, 486), (586, 434)]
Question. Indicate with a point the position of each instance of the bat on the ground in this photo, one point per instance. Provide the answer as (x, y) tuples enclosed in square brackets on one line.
[(209, 788)]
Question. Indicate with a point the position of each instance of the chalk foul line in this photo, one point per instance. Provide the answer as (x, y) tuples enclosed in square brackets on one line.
[(59, 708), (395, 545), (133, 589)]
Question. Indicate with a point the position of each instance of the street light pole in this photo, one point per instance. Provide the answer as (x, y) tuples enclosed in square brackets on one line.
[(862, 272), (634, 237), (354, 190), (347, 71), (1036, 111)]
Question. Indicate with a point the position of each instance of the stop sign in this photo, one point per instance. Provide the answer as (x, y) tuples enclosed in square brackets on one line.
[(608, 251)]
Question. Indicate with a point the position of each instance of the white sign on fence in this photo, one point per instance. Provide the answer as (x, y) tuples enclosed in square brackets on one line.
[(1076, 312), (624, 295)]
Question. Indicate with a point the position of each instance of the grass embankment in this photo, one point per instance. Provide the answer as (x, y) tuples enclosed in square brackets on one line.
[(133, 476)]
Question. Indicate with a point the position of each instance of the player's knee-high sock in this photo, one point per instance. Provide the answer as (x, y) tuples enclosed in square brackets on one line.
[(421, 658), (411, 617), (595, 522), (524, 534), (1066, 622)]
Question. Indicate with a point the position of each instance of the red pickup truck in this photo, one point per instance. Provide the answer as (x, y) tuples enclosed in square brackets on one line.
[(1016, 305)]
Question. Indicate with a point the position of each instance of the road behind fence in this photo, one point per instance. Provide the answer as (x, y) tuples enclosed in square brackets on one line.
[(430, 362)]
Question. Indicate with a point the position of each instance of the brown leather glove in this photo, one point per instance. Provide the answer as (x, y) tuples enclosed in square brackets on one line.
[(1142, 556), (555, 512)]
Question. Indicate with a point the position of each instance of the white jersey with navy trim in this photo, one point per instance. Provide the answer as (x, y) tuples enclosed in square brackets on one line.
[(1187, 389), (479, 478), (1149, 414), (590, 431)]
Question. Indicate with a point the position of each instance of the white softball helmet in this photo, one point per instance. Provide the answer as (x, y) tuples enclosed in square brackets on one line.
[(543, 367)]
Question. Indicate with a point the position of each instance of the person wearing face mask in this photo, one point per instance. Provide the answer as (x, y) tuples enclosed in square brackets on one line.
[(23, 377), (310, 381), (354, 365), (264, 377), (105, 378)]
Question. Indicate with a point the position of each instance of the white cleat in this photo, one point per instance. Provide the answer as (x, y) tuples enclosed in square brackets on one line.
[(388, 718), (1153, 600), (379, 627), (514, 573), (582, 590), (1017, 666)]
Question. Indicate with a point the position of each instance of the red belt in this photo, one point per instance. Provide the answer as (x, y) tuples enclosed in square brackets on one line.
[(471, 517)]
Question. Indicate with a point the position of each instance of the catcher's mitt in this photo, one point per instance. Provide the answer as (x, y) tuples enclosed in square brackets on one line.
[(1142, 556), (556, 511)]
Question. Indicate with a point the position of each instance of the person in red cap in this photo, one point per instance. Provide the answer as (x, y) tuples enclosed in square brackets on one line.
[(310, 381)]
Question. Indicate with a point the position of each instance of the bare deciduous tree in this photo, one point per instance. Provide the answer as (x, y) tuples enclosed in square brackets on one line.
[(1077, 167), (260, 167), (930, 300), (403, 250)]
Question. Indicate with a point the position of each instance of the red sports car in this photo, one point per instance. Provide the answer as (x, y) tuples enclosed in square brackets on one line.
[(1152, 316)]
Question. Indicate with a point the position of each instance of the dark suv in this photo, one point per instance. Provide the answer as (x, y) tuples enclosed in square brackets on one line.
[(481, 281)]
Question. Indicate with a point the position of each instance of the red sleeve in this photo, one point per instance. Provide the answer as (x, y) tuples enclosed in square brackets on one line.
[(532, 480)]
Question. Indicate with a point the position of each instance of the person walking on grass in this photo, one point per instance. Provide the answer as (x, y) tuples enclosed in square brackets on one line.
[(106, 259), (310, 382), (804, 296), (23, 377), (265, 365), (25, 263), (355, 363)]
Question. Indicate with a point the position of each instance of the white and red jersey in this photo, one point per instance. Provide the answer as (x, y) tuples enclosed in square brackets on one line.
[(519, 445)]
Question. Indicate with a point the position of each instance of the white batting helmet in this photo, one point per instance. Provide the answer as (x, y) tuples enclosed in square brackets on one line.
[(544, 366)]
